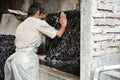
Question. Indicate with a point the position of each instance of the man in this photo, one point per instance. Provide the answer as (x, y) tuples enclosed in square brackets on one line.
[(24, 63)]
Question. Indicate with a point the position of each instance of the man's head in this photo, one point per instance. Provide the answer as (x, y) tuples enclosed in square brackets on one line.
[(35, 9)]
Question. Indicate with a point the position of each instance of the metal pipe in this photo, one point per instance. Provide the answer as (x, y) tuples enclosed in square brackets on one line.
[(104, 68)]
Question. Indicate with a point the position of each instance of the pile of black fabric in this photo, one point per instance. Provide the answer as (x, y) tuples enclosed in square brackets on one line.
[(7, 47), (64, 53)]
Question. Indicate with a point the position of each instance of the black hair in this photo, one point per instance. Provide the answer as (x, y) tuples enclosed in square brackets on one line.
[(34, 8)]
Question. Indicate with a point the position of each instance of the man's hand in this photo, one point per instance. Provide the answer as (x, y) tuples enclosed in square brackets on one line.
[(63, 20), (42, 57)]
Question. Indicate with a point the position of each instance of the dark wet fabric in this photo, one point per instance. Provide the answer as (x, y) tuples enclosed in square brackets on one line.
[(64, 53), (7, 47)]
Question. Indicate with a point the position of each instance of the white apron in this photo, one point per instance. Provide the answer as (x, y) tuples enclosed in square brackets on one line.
[(22, 65)]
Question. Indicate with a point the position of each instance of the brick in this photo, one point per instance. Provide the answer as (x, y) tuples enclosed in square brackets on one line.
[(111, 30), (105, 30), (97, 49), (110, 44), (96, 45), (105, 7), (97, 30), (117, 23), (117, 36), (107, 1), (98, 15), (113, 15), (118, 9), (107, 52), (104, 45), (117, 28), (103, 22), (108, 30), (98, 22), (102, 38)]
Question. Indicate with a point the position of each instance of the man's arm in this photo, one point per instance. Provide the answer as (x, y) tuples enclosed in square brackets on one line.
[(63, 22)]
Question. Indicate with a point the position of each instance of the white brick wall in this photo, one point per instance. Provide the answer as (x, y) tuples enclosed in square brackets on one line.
[(106, 21), (100, 34), (105, 29)]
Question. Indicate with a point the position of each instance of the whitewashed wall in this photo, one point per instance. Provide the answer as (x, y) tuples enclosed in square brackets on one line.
[(106, 27), (105, 31), (100, 33)]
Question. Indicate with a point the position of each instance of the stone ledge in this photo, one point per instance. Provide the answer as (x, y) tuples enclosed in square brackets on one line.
[(47, 73)]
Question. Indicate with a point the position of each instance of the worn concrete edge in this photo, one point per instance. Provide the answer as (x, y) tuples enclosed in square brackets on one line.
[(112, 73), (58, 73)]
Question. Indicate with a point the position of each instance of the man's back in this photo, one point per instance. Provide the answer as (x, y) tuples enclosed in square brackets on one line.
[(27, 34)]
